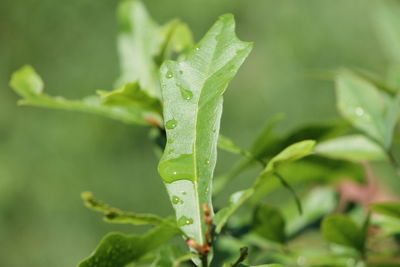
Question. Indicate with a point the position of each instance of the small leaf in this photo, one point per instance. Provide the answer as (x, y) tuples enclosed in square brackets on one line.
[(228, 145), (114, 215), (117, 250), (340, 229), (352, 147), (27, 83), (366, 108), (291, 153), (131, 95), (170, 256), (192, 92), (269, 223), (391, 209)]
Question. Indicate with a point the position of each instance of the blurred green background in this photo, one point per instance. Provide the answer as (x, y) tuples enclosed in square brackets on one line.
[(47, 157)]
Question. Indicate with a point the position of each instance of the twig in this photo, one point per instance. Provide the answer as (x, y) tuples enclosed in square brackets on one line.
[(244, 252)]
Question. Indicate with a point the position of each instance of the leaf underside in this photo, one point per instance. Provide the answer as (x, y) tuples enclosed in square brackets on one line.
[(192, 94)]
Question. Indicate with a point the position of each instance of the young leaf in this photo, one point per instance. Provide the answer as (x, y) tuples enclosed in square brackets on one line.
[(228, 145), (142, 45), (291, 153), (369, 110), (391, 209), (269, 223), (352, 147), (341, 230), (28, 84), (192, 94), (117, 250), (131, 95), (114, 215)]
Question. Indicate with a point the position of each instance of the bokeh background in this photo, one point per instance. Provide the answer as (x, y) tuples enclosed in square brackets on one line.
[(47, 157)]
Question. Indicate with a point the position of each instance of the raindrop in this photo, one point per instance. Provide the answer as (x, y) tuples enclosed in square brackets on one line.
[(171, 124), (183, 220), (169, 75), (197, 48), (185, 93), (207, 162), (176, 200)]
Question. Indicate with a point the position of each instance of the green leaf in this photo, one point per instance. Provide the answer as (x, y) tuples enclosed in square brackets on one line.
[(318, 203), (269, 223), (228, 145), (118, 250), (114, 215), (352, 147), (366, 108), (391, 209), (131, 95), (143, 45), (290, 154), (177, 38), (27, 83), (340, 229), (268, 143), (192, 94)]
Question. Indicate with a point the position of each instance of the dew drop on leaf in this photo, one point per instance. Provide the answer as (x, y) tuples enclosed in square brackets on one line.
[(176, 200), (182, 221), (185, 93), (171, 124), (169, 75)]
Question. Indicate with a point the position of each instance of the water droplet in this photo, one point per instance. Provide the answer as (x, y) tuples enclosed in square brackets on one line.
[(171, 124), (182, 221), (170, 141), (178, 168), (360, 111), (169, 75), (207, 161), (197, 48), (185, 93), (214, 130), (176, 200), (183, 192)]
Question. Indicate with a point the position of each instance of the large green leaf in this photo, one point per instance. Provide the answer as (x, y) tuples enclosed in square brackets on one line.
[(269, 223), (352, 147), (366, 108), (290, 154), (341, 230), (192, 94), (118, 250), (141, 110), (391, 209), (143, 45)]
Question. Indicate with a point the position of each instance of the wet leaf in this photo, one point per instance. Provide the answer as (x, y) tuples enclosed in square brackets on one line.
[(192, 94)]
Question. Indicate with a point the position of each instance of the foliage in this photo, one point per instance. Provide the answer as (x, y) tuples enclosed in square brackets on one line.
[(176, 87)]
